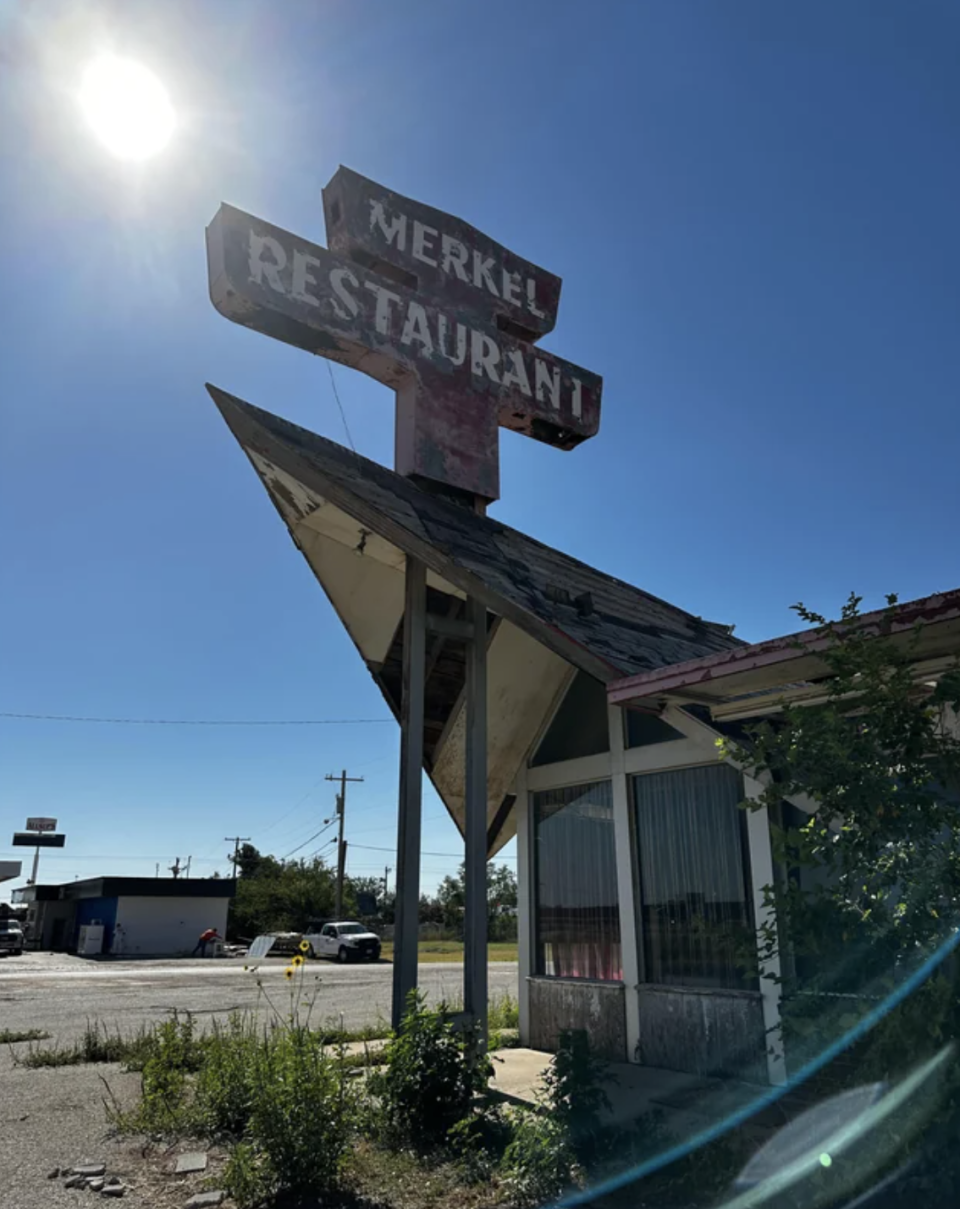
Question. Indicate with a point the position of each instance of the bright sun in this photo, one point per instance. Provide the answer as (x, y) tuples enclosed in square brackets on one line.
[(127, 107)]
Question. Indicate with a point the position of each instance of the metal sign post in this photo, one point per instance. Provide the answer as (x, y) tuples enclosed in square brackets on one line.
[(39, 833), (406, 916), (475, 837)]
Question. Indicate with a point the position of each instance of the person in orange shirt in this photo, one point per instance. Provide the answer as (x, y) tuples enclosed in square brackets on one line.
[(205, 937)]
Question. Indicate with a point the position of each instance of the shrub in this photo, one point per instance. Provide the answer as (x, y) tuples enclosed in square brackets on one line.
[(224, 1086), (539, 1164), (300, 1116), (574, 1092), (430, 1078), (503, 1012), (479, 1141)]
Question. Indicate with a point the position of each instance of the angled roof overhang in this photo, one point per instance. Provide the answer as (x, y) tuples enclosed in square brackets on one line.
[(753, 680), (356, 522)]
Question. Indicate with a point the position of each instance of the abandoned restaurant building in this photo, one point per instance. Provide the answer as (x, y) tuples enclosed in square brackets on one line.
[(639, 875)]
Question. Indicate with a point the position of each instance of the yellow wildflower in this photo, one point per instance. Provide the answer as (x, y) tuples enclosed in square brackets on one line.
[(288, 973), (296, 961), (304, 946)]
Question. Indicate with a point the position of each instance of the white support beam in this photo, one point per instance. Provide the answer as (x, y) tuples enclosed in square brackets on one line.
[(526, 899), (626, 880), (761, 875), (693, 728)]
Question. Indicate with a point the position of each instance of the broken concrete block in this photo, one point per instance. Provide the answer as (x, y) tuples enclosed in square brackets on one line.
[(89, 1171), (196, 1160), (96, 1185), (206, 1200), (75, 1181), (113, 1190), (54, 1174)]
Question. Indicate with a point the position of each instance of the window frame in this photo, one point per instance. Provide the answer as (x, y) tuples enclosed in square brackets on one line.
[(750, 986), (536, 943)]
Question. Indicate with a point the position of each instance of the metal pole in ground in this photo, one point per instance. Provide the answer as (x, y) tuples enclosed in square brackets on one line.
[(475, 804), (406, 923)]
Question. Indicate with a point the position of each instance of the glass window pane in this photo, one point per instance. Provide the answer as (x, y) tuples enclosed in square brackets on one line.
[(577, 911), (579, 727), (642, 729), (695, 909)]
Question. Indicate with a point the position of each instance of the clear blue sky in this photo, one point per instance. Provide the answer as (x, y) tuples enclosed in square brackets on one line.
[(753, 207)]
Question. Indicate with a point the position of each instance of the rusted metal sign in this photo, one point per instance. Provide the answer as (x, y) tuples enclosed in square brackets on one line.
[(421, 302), (438, 254)]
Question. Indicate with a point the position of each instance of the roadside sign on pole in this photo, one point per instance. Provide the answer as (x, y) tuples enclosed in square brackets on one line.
[(41, 825), (34, 839)]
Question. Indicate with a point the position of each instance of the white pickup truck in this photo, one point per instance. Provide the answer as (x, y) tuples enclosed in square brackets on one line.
[(344, 941)]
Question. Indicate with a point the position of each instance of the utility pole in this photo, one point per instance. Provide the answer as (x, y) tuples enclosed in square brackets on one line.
[(386, 881), (236, 840), (341, 846), (175, 868)]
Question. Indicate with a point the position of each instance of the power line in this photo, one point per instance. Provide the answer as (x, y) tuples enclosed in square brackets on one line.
[(343, 414), (202, 721), (288, 813), (309, 840), (456, 855)]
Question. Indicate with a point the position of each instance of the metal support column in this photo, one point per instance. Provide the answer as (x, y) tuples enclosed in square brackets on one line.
[(475, 808), (626, 847), (411, 780)]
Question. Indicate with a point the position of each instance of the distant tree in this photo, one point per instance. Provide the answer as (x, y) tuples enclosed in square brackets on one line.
[(247, 861), (281, 896), (501, 902)]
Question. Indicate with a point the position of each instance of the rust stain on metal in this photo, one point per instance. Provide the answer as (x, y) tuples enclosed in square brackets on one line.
[(425, 303)]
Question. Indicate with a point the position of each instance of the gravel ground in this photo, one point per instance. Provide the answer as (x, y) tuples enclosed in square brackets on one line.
[(55, 1117)]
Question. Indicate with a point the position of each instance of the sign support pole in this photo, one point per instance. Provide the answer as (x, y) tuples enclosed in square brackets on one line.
[(406, 929), (475, 804)]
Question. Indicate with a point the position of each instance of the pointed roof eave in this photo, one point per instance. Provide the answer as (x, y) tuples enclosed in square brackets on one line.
[(416, 522)]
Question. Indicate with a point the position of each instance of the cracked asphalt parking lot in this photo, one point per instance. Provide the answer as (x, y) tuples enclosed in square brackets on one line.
[(52, 1117)]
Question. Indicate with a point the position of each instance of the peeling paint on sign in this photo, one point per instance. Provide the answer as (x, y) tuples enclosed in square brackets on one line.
[(439, 312)]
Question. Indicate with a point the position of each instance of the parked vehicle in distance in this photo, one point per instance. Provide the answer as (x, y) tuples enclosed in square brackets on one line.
[(11, 937), (344, 941)]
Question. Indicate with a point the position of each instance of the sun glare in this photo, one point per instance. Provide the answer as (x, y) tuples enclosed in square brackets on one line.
[(127, 107)]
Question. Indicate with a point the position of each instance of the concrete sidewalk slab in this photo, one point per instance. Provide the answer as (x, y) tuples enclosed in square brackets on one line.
[(688, 1104)]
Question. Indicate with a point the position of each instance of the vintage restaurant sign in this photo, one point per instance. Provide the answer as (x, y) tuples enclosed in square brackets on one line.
[(422, 302)]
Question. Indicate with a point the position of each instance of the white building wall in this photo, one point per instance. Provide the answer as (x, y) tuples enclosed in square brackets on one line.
[(168, 926)]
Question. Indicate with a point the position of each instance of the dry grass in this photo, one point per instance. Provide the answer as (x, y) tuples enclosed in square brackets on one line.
[(403, 1181), (452, 951), (12, 1036)]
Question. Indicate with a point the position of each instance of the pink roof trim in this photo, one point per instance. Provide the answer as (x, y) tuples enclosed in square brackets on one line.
[(944, 606)]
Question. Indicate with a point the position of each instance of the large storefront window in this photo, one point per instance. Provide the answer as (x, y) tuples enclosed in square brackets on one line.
[(577, 912), (695, 909)]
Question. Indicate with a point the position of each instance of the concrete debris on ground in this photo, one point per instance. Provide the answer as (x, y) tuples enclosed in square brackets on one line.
[(54, 1174), (89, 1171), (195, 1160), (92, 1176), (206, 1200)]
